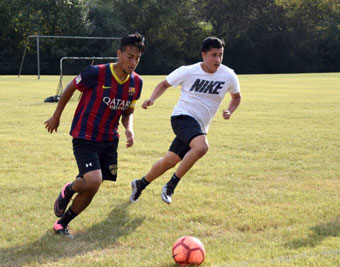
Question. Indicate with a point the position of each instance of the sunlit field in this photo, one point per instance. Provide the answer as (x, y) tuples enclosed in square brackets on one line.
[(266, 194)]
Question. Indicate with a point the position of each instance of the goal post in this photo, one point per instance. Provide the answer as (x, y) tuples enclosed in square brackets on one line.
[(60, 87), (38, 37)]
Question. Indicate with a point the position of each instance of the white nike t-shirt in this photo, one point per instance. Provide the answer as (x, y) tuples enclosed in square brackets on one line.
[(202, 93)]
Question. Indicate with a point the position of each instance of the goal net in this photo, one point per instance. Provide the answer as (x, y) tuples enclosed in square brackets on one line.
[(67, 67)]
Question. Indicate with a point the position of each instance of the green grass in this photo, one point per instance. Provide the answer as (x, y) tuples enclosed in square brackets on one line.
[(266, 194)]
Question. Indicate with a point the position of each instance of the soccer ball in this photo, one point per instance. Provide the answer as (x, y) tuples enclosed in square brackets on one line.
[(188, 250)]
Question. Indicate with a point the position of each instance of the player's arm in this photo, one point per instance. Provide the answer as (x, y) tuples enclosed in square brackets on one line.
[(233, 104), (157, 92), (127, 121), (52, 123)]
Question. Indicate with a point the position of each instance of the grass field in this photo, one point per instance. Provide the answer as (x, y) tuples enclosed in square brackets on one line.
[(266, 194)]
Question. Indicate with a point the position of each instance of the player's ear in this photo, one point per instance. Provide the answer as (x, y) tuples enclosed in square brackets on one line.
[(119, 53)]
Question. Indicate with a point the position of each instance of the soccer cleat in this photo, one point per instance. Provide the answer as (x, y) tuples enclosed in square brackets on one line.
[(136, 191), (61, 202), (59, 229), (167, 192)]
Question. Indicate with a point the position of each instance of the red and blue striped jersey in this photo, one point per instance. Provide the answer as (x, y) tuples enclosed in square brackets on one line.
[(104, 98)]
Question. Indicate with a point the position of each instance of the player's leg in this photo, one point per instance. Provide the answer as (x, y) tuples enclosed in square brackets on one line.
[(60, 206), (198, 148), (86, 185), (63, 199), (105, 168), (167, 162), (79, 185), (85, 188), (194, 146)]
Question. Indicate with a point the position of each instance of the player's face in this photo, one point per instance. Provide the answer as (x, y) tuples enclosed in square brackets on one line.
[(129, 59), (212, 59)]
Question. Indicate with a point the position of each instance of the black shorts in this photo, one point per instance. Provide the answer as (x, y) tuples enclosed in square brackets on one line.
[(185, 128), (92, 155)]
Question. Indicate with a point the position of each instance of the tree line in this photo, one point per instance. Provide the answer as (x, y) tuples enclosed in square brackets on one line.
[(262, 36)]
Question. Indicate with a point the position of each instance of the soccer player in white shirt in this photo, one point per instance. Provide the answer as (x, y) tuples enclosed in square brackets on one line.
[(203, 87)]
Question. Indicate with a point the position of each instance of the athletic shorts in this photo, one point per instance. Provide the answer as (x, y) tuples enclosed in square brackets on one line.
[(185, 128), (92, 155)]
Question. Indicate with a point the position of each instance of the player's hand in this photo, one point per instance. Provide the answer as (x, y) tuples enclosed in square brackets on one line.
[(52, 124), (147, 103), (226, 114), (129, 138)]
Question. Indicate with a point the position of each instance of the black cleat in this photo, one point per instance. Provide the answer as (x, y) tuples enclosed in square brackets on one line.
[(136, 191), (167, 192), (59, 229), (61, 202)]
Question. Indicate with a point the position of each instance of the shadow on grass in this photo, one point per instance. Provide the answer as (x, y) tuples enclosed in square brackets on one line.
[(319, 233), (51, 248)]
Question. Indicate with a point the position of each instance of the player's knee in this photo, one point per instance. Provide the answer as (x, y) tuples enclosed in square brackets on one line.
[(168, 164), (94, 187), (93, 183), (202, 149)]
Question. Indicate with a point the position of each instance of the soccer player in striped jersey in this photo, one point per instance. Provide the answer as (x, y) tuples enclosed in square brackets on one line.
[(109, 92), (203, 87)]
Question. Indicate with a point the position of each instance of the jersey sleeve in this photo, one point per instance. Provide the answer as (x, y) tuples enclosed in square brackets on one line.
[(140, 89), (139, 92), (86, 79), (234, 87), (177, 76)]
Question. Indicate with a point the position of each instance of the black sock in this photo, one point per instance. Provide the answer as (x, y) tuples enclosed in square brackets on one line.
[(144, 183), (69, 191), (173, 181), (67, 217)]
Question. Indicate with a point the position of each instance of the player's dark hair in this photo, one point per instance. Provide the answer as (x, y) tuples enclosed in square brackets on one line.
[(212, 42), (134, 39)]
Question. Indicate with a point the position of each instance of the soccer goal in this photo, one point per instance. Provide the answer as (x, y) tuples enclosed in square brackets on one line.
[(77, 68), (38, 37), (60, 86)]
